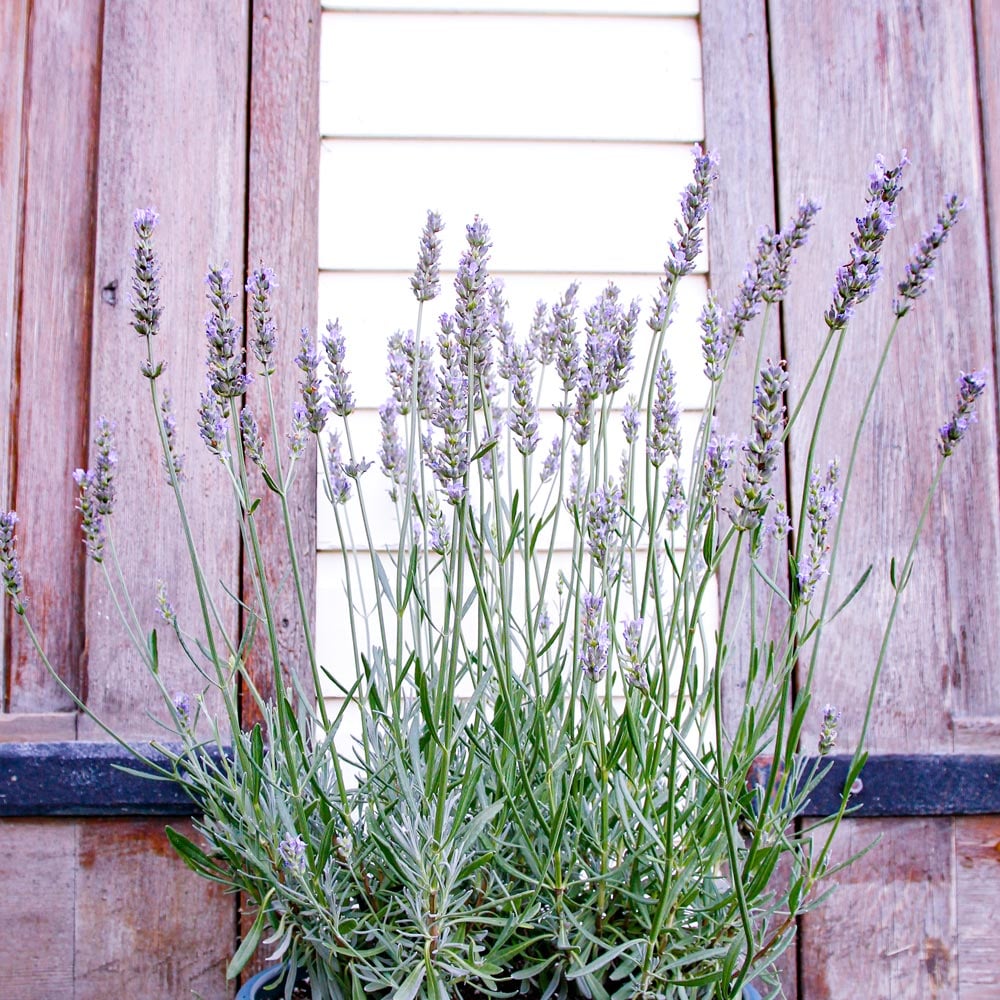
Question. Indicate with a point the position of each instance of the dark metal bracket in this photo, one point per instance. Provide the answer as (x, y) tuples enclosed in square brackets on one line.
[(86, 779)]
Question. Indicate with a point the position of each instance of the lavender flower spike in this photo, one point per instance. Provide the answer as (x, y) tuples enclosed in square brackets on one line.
[(292, 850), (91, 521), (970, 387), (822, 504), (523, 415), (259, 286), (226, 374), (920, 270), (173, 457), (694, 206), (664, 435), (335, 346), (828, 734), (595, 640), (104, 467), (426, 281), (10, 565), (145, 299), (316, 407)]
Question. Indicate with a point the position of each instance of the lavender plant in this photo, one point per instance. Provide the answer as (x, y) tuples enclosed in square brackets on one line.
[(545, 796)]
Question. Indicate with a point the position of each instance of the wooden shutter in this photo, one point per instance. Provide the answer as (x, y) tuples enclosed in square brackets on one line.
[(208, 112)]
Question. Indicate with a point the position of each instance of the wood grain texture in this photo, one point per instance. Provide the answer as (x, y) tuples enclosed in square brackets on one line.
[(173, 135), (62, 93), (283, 181), (890, 928), (37, 727), (37, 870), (13, 50), (977, 847), (880, 78), (145, 924)]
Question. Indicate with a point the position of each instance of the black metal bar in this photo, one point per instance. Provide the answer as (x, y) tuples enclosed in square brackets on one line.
[(85, 779)]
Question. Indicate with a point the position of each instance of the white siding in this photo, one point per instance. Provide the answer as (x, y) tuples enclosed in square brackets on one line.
[(565, 124)]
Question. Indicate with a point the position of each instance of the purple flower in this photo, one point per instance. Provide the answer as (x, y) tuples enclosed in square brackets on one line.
[(341, 396), (212, 424), (104, 468), (920, 270), (694, 206), (292, 850), (253, 443), (391, 452), (715, 339), (595, 640), (173, 458), (523, 417), (574, 494), (664, 435), (315, 406), (449, 459), (400, 372), (163, 606), (790, 239), (631, 636), (426, 282), (676, 503), (822, 503), (828, 734), (259, 286), (338, 489), (718, 458), (858, 277), (552, 460), (761, 451), (300, 427), (604, 507), (226, 371), (630, 421), (473, 312), (10, 565), (439, 538), (502, 326), (567, 348), (145, 299), (91, 521), (971, 386), (182, 706), (542, 335)]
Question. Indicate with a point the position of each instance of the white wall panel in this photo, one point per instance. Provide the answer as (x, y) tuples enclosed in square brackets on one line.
[(564, 207), (540, 77)]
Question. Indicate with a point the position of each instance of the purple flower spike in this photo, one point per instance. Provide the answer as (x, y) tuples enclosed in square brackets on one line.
[(226, 373), (10, 565), (335, 346), (523, 416), (971, 386), (426, 280), (91, 521), (761, 452), (164, 608), (664, 435), (292, 850), (145, 298), (104, 467), (694, 206), (212, 424), (595, 640), (857, 278), (566, 347), (339, 486), (253, 443), (176, 459), (822, 505), (391, 452), (631, 636), (828, 734), (182, 706), (790, 239), (920, 270), (604, 507), (316, 407), (259, 287), (552, 460), (715, 339)]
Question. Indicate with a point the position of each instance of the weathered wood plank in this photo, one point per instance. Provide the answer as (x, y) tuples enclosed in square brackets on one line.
[(638, 7), (37, 859), (283, 201), (145, 924), (977, 846), (634, 67), (879, 78), (62, 93), (13, 51), (889, 929), (191, 167), (32, 727)]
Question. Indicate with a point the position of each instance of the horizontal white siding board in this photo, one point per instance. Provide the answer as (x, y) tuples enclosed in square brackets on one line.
[(541, 77), (566, 207), (647, 8), (371, 307)]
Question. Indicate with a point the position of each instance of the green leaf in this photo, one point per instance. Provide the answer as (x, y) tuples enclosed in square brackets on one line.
[(411, 984), (253, 507), (854, 591), (192, 855), (249, 944)]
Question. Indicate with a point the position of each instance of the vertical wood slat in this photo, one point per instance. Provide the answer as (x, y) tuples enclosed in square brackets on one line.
[(62, 93), (734, 62), (283, 202), (881, 78), (283, 184), (13, 50)]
